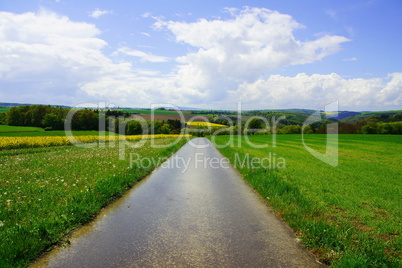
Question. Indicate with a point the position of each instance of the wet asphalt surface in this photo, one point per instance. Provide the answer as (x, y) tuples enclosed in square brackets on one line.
[(193, 211)]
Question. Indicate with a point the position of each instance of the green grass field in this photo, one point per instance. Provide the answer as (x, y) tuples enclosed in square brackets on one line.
[(9, 129), (14, 131), (47, 192), (349, 215), (4, 109)]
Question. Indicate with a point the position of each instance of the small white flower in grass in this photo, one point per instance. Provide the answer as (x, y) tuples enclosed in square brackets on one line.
[(1, 223)]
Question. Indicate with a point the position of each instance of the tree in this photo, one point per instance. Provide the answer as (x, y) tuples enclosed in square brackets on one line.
[(396, 117), (16, 116), (134, 128), (175, 124), (385, 128), (396, 127), (291, 129), (253, 125), (165, 129), (368, 129), (308, 130), (85, 119), (3, 120), (348, 128), (156, 126), (33, 115), (37, 114), (256, 123), (12, 117), (53, 121)]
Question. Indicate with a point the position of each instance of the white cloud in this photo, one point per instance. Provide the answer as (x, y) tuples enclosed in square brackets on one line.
[(317, 90), (149, 15), (300, 91), (147, 72), (38, 43), (98, 13), (391, 94), (142, 55), (350, 31), (43, 56), (350, 59), (47, 58), (332, 13), (244, 48), (146, 34)]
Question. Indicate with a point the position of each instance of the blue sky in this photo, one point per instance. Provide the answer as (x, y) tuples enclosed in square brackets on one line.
[(205, 54)]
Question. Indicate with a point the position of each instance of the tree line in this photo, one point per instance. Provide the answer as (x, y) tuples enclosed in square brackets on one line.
[(53, 118), (36, 116), (389, 124)]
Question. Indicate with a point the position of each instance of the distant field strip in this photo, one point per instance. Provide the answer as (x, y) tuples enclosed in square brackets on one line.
[(46, 141), (349, 215), (16, 131), (7, 129), (140, 111), (204, 124)]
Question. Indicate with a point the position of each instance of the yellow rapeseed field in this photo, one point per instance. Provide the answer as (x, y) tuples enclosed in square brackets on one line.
[(46, 141), (204, 124)]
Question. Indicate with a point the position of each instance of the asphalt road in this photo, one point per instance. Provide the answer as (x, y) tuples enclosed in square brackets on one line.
[(194, 211)]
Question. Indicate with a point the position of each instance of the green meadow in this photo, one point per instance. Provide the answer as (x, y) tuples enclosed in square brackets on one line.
[(47, 192), (349, 215), (10, 129), (15, 131)]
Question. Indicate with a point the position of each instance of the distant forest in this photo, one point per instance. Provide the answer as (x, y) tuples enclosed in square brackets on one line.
[(357, 123), (53, 118)]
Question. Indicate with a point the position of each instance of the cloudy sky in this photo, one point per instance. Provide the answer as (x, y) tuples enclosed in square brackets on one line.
[(205, 54)]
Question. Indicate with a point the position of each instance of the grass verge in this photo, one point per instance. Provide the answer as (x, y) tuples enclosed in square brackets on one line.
[(6, 129), (349, 215), (13, 131), (47, 192)]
